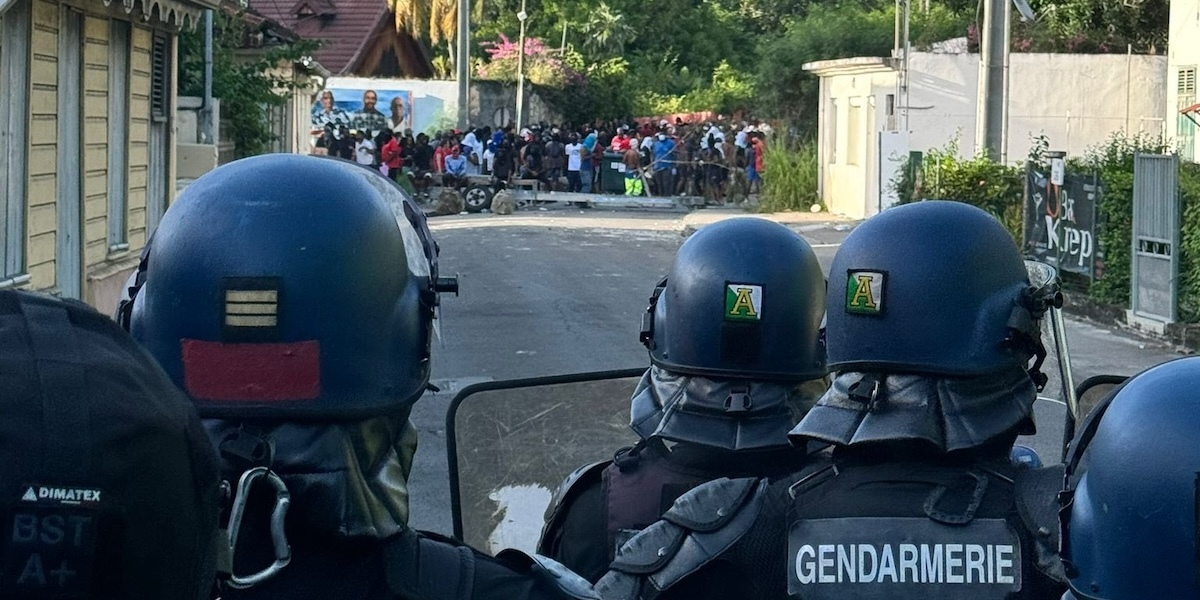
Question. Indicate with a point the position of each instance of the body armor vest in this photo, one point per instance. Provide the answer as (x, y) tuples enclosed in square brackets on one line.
[(639, 486)]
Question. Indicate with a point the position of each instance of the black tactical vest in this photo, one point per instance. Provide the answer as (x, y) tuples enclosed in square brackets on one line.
[(639, 486)]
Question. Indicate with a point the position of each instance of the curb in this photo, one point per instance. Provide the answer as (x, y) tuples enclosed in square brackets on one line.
[(1182, 337)]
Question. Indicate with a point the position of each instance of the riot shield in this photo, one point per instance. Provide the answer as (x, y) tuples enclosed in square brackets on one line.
[(511, 443), (1095, 389)]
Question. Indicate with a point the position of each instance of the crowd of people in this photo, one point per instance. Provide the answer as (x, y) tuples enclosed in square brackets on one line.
[(716, 159)]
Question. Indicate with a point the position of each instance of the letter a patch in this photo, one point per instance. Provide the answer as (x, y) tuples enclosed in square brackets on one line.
[(743, 302), (864, 292)]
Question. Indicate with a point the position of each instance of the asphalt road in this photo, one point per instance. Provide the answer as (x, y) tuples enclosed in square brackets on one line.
[(562, 291)]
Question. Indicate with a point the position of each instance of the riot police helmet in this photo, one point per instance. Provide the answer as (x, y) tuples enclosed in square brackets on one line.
[(291, 287), (744, 299), (930, 312), (1133, 490), (102, 455), (734, 335)]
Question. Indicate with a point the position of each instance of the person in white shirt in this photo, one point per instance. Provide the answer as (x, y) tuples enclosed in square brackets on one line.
[(574, 152), (364, 149), (473, 151), (489, 157)]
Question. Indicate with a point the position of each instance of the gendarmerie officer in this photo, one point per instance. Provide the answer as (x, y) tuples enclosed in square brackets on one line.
[(734, 339)]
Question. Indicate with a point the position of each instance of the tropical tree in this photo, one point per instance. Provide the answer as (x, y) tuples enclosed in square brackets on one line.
[(432, 21), (606, 32)]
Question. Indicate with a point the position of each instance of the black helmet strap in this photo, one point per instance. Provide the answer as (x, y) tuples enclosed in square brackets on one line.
[(1024, 334), (125, 309), (646, 337)]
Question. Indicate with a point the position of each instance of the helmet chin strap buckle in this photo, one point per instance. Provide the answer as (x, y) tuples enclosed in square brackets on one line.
[(866, 391), (739, 400)]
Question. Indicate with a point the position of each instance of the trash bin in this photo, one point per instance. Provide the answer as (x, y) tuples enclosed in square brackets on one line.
[(612, 173)]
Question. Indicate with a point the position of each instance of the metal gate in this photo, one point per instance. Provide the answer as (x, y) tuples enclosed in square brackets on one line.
[(1156, 219)]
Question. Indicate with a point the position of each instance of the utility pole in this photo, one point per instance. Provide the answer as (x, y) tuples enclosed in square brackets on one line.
[(904, 68), (521, 16), (991, 108), (206, 115), (464, 62)]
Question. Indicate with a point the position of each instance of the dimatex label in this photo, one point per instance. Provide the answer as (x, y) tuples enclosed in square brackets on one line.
[(60, 496)]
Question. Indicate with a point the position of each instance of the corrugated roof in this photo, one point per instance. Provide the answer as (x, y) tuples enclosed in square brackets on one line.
[(344, 25)]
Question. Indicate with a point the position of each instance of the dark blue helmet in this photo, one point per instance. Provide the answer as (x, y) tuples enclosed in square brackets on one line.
[(290, 287), (744, 299), (934, 288), (1130, 511)]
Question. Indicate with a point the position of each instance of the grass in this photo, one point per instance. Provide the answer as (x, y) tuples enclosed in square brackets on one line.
[(790, 181)]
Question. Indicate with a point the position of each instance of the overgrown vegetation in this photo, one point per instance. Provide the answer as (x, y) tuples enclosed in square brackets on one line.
[(247, 83), (791, 180), (731, 55), (994, 187), (999, 190)]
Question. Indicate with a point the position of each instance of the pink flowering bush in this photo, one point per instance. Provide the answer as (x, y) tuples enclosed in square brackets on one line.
[(543, 66)]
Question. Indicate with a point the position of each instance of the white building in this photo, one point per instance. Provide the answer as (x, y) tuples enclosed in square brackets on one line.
[(866, 128), (1183, 56)]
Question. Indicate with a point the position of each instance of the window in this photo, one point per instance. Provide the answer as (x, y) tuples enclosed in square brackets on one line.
[(160, 78), (831, 121), (1185, 128), (14, 118), (854, 131), (1186, 83), (890, 111), (118, 134)]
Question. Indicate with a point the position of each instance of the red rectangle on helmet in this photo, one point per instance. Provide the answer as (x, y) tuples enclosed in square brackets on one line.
[(252, 372)]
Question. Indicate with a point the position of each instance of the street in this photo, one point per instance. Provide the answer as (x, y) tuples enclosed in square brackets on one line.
[(563, 290)]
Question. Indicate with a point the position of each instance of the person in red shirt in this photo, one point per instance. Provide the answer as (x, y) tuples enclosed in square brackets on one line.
[(439, 156), (760, 149), (391, 154)]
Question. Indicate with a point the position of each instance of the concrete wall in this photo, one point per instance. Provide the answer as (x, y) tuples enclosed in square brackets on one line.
[(105, 269), (1183, 54), (194, 157), (1077, 101), (492, 101)]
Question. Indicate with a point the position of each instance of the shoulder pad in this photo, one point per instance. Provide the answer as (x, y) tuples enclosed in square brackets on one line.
[(568, 492), (616, 585), (710, 506), (1037, 504), (552, 572), (666, 552), (576, 482), (650, 549)]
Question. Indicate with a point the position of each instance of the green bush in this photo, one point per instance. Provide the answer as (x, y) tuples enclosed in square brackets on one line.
[(790, 181), (996, 188), (1189, 239), (1113, 160), (999, 190)]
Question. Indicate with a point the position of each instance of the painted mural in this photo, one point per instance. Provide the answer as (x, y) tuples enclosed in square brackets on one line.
[(375, 104)]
